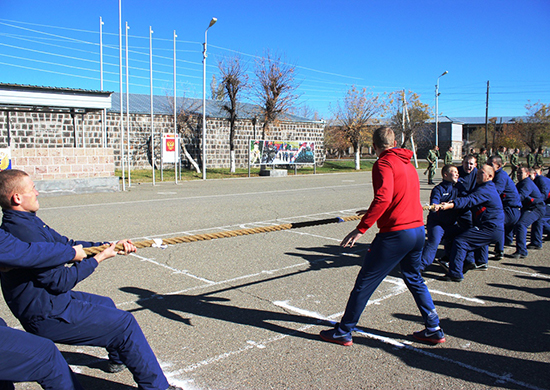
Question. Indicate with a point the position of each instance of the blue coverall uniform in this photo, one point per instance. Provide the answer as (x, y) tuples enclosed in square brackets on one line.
[(533, 209), (25, 357), (511, 205), (439, 222), (488, 222), (45, 305), (542, 225)]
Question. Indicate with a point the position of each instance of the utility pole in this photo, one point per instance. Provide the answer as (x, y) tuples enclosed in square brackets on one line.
[(487, 117)]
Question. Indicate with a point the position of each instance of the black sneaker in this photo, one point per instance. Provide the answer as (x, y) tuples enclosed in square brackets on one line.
[(435, 337), (444, 264), (449, 278), (533, 246), (497, 256), (467, 267), (481, 267), (518, 255)]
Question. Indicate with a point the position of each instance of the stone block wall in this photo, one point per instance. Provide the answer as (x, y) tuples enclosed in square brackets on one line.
[(44, 131), (64, 163)]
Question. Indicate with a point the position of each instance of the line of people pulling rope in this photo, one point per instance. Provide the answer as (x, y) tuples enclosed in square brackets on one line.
[(475, 208), (472, 209)]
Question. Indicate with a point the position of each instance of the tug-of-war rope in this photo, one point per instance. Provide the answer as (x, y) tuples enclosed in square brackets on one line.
[(233, 233)]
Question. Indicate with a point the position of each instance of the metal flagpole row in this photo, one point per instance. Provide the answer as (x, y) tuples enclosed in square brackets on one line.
[(177, 149), (128, 107), (121, 91), (152, 118)]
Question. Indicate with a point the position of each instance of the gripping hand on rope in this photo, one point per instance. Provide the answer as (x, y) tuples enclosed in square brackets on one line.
[(111, 251), (354, 235)]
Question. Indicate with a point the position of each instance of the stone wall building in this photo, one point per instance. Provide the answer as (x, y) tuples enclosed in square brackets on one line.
[(59, 135)]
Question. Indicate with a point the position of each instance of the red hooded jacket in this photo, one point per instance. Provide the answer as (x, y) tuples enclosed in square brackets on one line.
[(396, 204)]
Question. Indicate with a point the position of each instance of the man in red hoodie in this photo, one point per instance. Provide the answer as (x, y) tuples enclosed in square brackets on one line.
[(397, 210)]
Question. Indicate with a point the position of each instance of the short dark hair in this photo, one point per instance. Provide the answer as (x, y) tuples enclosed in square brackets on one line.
[(495, 159), (469, 157), (10, 183), (446, 168), (383, 137)]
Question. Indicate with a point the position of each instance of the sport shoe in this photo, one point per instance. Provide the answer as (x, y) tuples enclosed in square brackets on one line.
[(435, 337), (481, 267), (444, 264), (449, 278), (336, 336), (467, 267), (518, 255), (174, 388), (497, 256), (115, 367), (533, 246)]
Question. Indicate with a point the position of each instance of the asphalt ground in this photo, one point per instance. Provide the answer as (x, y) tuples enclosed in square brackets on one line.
[(245, 312)]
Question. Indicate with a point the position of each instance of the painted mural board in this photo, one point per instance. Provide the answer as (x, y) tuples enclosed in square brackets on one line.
[(281, 152)]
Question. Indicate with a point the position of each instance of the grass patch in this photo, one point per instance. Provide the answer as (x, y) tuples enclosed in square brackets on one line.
[(330, 166)]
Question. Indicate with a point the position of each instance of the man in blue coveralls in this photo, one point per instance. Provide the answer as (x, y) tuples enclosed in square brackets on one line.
[(398, 213), (542, 225), (487, 228), (510, 204), (440, 223), (45, 304), (25, 357), (532, 210)]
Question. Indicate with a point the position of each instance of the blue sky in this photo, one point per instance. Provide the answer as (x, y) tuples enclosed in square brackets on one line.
[(381, 45)]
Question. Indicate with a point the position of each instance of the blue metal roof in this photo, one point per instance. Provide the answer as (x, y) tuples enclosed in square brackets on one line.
[(141, 104)]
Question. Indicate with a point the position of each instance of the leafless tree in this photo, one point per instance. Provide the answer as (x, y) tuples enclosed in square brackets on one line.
[(216, 89), (234, 82), (275, 89), (187, 125), (355, 114)]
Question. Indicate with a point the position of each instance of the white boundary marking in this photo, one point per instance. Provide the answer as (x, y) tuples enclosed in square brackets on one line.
[(185, 198)]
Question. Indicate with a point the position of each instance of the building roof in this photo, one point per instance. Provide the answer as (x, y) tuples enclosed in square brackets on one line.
[(27, 87), (480, 120), (51, 99), (141, 104)]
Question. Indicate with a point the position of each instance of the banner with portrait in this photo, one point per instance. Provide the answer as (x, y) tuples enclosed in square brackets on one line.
[(281, 152)]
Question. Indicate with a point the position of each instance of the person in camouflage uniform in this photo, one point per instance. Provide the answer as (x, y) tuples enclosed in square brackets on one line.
[(502, 154), (481, 158), (449, 156), (530, 159), (432, 157), (514, 162), (539, 160)]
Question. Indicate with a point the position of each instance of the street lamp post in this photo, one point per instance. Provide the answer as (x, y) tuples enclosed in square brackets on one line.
[(437, 113), (212, 22)]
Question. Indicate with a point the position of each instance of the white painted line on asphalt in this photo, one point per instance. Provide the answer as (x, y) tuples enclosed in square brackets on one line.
[(457, 296), (307, 313), (399, 344), (516, 271), (174, 270), (500, 378), (187, 198), (314, 235)]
